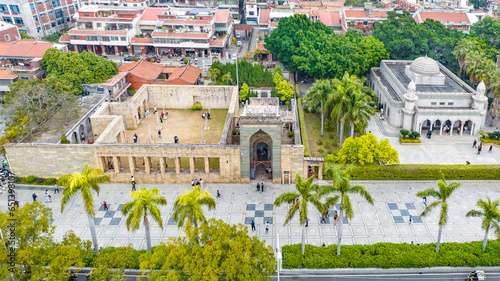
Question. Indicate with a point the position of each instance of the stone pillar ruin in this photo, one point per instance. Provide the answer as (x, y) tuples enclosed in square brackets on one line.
[(162, 165), (116, 164), (131, 163), (207, 165), (191, 165), (177, 165), (147, 164)]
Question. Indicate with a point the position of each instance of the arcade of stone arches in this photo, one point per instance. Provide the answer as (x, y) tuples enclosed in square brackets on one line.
[(448, 126)]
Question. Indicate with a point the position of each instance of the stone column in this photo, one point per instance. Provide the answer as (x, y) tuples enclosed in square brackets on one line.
[(131, 163), (207, 166), (177, 161), (116, 164), (451, 128), (320, 171), (102, 163), (441, 129), (162, 165), (191, 165), (103, 50), (462, 128), (117, 51), (147, 164)]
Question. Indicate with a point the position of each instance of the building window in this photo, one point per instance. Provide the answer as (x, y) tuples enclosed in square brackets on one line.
[(14, 8), (35, 18), (53, 24), (24, 78), (32, 6), (441, 103), (42, 15), (91, 38), (19, 21), (123, 38), (7, 19), (251, 13), (56, 3), (67, 19), (433, 103), (7, 37), (38, 3), (4, 8), (365, 23), (114, 38), (75, 37), (450, 103), (49, 13), (58, 13), (86, 14)]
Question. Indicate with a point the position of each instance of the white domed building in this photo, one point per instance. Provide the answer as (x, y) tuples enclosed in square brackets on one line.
[(423, 95)]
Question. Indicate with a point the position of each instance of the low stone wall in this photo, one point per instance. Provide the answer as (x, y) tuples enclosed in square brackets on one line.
[(183, 97), (48, 160)]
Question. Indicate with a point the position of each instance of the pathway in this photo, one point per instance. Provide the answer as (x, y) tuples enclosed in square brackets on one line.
[(387, 221)]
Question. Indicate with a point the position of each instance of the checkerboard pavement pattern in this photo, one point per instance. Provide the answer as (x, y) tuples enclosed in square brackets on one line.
[(401, 212), (112, 216), (261, 213)]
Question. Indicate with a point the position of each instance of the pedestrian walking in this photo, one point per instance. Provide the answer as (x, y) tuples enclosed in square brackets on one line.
[(323, 219), (262, 186), (474, 144), (159, 134), (192, 182), (105, 205), (253, 225), (161, 120), (258, 187), (267, 227), (155, 109), (424, 202), (161, 115), (201, 183), (218, 194), (47, 196), (479, 149), (34, 197), (410, 220), (307, 222), (56, 188), (336, 216), (135, 138), (16, 203), (176, 139), (133, 186), (491, 148), (132, 179)]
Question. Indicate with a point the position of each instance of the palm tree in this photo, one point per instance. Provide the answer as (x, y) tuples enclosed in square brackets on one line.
[(188, 206), (213, 73), (359, 112), (490, 214), (306, 194), (227, 77), (341, 98), (341, 185), (83, 183), (445, 191), (461, 51), (144, 202), (317, 95)]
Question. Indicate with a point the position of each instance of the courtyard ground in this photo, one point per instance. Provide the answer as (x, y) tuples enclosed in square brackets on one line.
[(330, 143), (183, 123), (386, 221)]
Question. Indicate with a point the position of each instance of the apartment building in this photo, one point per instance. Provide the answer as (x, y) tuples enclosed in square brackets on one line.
[(8, 32), (231, 5), (457, 20), (103, 30), (39, 18), (119, 3)]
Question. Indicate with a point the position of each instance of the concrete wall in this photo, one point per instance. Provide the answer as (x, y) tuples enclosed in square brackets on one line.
[(292, 159), (183, 97), (48, 160)]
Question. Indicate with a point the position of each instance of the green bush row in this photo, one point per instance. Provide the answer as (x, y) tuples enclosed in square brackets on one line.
[(36, 181), (415, 140), (389, 255), (425, 172), (303, 128), (488, 140)]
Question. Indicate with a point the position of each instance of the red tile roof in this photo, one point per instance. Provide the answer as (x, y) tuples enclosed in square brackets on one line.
[(147, 70), (365, 14), (221, 15), (443, 17), (27, 48), (329, 18), (260, 46), (141, 41), (188, 73), (180, 35), (310, 4), (6, 74), (264, 16), (64, 39), (151, 14), (126, 66), (217, 43), (83, 32), (113, 80)]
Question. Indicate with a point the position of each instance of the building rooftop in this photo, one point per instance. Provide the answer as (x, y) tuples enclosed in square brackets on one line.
[(151, 14), (222, 15), (25, 48), (329, 18)]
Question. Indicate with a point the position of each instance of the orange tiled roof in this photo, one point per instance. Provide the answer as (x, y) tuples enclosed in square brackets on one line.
[(188, 73), (6, 74), (443, 17), (221, 15), (329, 18), (365, 14), (64, 39), (147, 70), (27, 48), (126, 66), (264, 16), (333, 4), (151, 14)]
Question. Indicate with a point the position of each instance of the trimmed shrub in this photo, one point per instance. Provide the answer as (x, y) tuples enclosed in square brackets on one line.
[(319, 142), (424, 172), (389, 255), (30, 179), (50, 181), (415, 140), (39, 180), (303, 128), (290, 134), (64, 140), (331, 135), (489, 140), (196, 106)]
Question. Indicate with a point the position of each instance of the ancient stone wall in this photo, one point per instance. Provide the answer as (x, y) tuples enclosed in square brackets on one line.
[(184, 97), (292, 159), (48, 160)]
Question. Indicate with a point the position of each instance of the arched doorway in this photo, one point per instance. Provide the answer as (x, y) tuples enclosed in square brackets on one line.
[(260, 156)]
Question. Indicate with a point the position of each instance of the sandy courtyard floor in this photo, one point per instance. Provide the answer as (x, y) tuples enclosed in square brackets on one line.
[(183, 123)]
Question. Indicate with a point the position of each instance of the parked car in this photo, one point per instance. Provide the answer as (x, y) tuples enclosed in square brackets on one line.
[(239, 43), (129, 58), (155, 58), (238, 35)]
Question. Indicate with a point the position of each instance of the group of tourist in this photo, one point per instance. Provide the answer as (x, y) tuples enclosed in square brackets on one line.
[(480, 147)]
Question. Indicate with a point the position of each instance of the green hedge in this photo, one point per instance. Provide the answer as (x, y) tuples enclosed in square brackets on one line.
[(488, 140), (389, 255), (35, 181), (425, 172), (408, 140), (303, 128)]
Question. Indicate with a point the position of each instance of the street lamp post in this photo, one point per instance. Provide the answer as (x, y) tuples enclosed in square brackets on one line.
[(237, 76)]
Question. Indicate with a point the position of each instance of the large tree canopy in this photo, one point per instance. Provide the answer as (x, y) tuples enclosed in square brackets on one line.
[(404, 39), (77, 68), (314, 49), (487, 29)]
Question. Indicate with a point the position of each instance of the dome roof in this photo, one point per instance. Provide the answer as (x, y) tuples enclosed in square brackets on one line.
[(425, 66)]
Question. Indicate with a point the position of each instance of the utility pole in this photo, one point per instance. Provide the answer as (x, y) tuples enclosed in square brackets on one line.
[(237, 76)]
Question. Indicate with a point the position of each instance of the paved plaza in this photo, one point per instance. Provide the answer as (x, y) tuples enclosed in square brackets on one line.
[(386, 221)]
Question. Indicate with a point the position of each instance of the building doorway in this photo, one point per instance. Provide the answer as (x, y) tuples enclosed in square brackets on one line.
[(261, 156)]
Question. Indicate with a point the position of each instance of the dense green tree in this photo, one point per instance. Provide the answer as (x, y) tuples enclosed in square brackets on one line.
[(244, 92), (84, 183), (111, 263), (213, 73), (404, 39), (340, 179), (144, 203), (24, 35), (78, 68), (254, 75), (490, 214), (306, 193), (285, 90), (188, 206), (212, 251), (479, 4), (367, 150), (487, 29), (442, 195)]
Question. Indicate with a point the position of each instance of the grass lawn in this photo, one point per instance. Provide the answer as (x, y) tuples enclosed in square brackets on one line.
[(330, 145)]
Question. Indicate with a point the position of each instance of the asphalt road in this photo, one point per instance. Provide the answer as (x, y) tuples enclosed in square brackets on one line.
[(378, 277)]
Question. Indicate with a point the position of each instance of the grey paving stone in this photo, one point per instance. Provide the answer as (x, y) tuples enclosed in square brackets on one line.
[(398, 219), (250, 207), (393, 206)]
